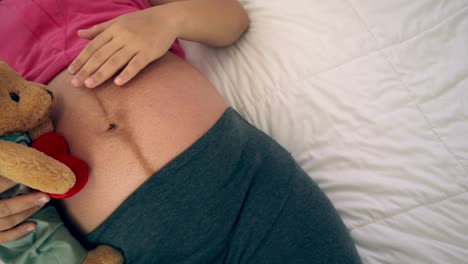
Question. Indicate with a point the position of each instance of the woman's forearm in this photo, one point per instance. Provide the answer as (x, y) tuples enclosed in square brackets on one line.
[(212, 22)]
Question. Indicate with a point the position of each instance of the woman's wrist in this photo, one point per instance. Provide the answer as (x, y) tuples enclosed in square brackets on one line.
[(216, 23), (175, 16)]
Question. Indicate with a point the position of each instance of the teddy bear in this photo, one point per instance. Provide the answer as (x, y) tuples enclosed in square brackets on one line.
[(47, 167)]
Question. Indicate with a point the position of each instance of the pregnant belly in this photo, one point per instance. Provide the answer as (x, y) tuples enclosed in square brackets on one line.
[(126, 134)]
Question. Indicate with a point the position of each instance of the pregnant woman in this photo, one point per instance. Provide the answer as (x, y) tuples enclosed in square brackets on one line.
[(177, 176)]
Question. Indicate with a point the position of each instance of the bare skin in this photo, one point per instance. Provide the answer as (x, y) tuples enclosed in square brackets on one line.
[(125, 134), (13, 211), (134, 40), (160, 107)]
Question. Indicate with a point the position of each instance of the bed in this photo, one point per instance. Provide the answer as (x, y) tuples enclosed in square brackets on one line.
[(371, 98)]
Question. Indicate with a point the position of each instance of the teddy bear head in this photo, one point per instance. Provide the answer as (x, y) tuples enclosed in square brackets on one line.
[(24, 105)]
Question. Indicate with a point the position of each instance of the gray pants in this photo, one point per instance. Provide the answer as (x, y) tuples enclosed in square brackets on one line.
[(235, 196)]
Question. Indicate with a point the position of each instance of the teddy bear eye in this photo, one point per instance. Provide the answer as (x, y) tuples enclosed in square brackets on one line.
[(14, 96)]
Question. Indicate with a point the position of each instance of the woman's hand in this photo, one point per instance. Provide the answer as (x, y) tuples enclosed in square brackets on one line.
[(133, 39), (15, 210)]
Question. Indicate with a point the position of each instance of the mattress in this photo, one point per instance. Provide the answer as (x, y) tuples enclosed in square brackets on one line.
[(371, 98)]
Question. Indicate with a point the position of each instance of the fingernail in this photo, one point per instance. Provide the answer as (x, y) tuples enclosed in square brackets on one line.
[(43, 199), (30, 228), (118, 80), (76, 82), (71, 69), (90, 82)]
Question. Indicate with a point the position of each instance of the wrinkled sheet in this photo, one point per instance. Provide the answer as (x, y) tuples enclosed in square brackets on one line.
[(371, 98)]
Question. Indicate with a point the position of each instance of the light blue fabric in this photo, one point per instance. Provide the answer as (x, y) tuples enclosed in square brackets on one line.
[(49, 243), (20, 138)]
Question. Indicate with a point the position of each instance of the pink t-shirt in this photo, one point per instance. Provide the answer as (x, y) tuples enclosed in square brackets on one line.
[(38, 37)]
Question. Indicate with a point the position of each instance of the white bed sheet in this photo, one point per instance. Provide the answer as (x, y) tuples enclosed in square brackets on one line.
[(371, 98)]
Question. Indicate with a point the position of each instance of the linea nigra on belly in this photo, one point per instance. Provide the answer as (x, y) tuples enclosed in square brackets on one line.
[(116, 128)]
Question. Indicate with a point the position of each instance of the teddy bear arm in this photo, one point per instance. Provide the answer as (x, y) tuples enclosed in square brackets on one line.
[(34, 169)]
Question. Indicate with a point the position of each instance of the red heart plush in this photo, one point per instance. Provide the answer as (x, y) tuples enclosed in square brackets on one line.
[(55, 146)]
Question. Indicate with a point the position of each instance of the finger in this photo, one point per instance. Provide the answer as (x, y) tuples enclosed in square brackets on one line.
[(16, 232), (95, 62), (7, 223), (110, 67), (18, 204), (88, 51), (95, 30), (6, 184), (136, 64)]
